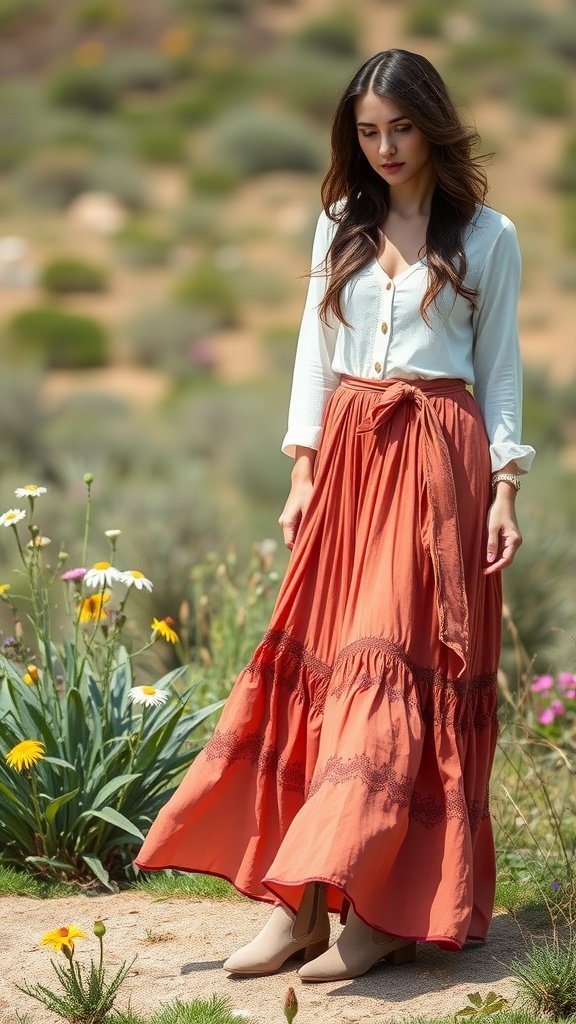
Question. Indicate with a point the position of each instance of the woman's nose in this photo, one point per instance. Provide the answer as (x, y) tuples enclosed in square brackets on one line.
[(387, 145)]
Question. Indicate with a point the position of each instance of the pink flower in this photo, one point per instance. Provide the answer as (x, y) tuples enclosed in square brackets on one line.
[(542, 683), (73, 574), (565, 680), (570, 694), (558, 707), (546, 717)]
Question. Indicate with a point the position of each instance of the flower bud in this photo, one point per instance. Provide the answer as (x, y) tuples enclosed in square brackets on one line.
[(290, 1005), (88, 479), (99, 928)]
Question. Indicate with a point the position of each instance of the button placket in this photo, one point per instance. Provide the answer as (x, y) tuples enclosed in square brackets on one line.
[(383, 336)]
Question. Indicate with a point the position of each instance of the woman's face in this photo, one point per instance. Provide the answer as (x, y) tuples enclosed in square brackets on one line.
[(392, 144)]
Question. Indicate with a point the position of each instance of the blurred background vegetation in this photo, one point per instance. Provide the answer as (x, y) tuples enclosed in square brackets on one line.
[(160, 163)]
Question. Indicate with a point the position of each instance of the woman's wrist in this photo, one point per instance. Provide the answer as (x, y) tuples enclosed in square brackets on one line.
[(303, 468)]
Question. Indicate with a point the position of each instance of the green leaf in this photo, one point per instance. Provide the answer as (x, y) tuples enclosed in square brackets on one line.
[(113, 818), (53, 862), (475, 998), (55, 805), (468, 1011), (112, 787), (60, 762), (96, 865)]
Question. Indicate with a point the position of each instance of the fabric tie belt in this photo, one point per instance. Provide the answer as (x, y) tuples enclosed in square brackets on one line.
[(445, 544)]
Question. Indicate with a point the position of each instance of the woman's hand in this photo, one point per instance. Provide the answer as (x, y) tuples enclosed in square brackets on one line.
[(504, 537), (300, 493), (296, 504)]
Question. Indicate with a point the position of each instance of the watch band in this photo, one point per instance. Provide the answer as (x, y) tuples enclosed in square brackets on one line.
[(511, 478)]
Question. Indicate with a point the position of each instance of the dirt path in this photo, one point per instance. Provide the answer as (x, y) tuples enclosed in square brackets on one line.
[(181, 945)]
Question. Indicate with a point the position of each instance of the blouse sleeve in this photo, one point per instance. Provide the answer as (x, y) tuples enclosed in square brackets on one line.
[(313, 379), (497, 363)]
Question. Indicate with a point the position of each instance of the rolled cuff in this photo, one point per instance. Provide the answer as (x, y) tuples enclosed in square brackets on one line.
[(308, 437), (506, 451)]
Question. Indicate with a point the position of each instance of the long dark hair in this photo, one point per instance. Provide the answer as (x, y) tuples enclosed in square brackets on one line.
[(415, 85)]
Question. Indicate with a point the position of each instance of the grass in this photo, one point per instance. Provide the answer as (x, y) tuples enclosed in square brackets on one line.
[(20, 883), (164, 885), (216, 1010)]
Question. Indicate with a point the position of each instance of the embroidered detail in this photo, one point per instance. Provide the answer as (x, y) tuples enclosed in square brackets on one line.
[(228, 746), (376, 778), (430, 811)]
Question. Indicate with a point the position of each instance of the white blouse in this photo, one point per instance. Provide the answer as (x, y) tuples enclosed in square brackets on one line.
[(390, 338)]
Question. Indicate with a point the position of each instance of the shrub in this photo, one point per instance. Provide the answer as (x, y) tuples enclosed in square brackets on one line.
[(213, 179), (72, 275), (547, 978), (60, 340), (565, 177), (229, 8), (137, 69), (165, 338), (208, 288), (336, 34), (560, 36), (15, 12), (142, 246), (426, 18), (85, 88), (100, 13), (255, 142), (82, 774), (544, 91), (57, 175), (516, 17), (310, 82), (161, 143)]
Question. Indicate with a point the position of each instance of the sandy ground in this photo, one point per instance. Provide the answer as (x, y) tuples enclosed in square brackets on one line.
[(181, 945)]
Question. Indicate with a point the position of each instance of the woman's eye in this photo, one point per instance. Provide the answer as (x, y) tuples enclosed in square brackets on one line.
[(367, 135), (403, 127)]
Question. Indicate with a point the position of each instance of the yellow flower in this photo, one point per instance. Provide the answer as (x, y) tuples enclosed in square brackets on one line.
[(32, 675), (63, 937), (92, 608), (3, 588), (25, 754), (164, 627)]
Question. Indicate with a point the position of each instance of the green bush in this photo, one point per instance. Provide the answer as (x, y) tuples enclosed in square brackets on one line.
[(336, 34), (515, 17), (16, 12), (544, 91), (101, 14), (141, 246), (564, 178), (214, 179), (87, 89), (309, 82), (226, 8), (490, 51), (22, 122), (164, 338), (121, 175), (253, 142), (560, 37), (60, 340), (547, 977), (426, 18), (73, 275), (160, 143), (206, 287), (140, 69), (55, 176)]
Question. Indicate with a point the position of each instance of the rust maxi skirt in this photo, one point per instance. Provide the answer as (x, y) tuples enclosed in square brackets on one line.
[(356, 745)]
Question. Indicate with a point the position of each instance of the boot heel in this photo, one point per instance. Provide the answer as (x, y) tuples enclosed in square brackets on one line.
[(403, 955), (316, 949)]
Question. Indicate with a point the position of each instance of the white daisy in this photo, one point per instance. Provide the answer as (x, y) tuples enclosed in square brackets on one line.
[(102, 574), (112, 534), (150, 696), (12, 516), (135, 578), (29, 491)]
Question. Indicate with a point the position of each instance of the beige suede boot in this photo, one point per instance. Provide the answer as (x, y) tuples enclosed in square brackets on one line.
[(357, 949), (285, 934)]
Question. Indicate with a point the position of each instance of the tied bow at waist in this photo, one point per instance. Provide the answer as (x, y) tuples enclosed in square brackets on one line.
[(445, 544)]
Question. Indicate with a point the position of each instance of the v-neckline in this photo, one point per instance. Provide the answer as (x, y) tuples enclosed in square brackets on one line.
[(399, 277)]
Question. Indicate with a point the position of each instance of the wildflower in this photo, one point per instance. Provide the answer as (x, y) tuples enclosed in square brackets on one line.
[(112, 534), (61, 937), (32, 675), (164, 628), (566, 680), (25, 754), (134, 578), (29, 491), (39, 542), (290, 1005), (3, 588), (102, 574), (73, 574), (555, 885), (99, 928), (557, 707), (88, 479), (546, 717), (542, 683), (92, 608), (570, 694), (12, 516), (9, 641), (150, 696)]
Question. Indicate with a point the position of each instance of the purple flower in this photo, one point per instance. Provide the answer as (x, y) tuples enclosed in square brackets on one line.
[(10, 641), (557, 707), (565, 680), (73, 574), (542, 683), (546, 717), (555, 885)]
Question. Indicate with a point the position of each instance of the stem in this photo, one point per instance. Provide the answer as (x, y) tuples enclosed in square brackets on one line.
[(86, 526)]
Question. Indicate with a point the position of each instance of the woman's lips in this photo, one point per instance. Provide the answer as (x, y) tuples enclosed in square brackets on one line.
[(391, 167)]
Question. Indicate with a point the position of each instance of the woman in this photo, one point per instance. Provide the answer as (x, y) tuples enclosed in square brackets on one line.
[(349, 770)]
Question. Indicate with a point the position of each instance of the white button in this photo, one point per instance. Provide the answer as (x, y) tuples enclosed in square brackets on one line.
[(384, 328), (378, 366)]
